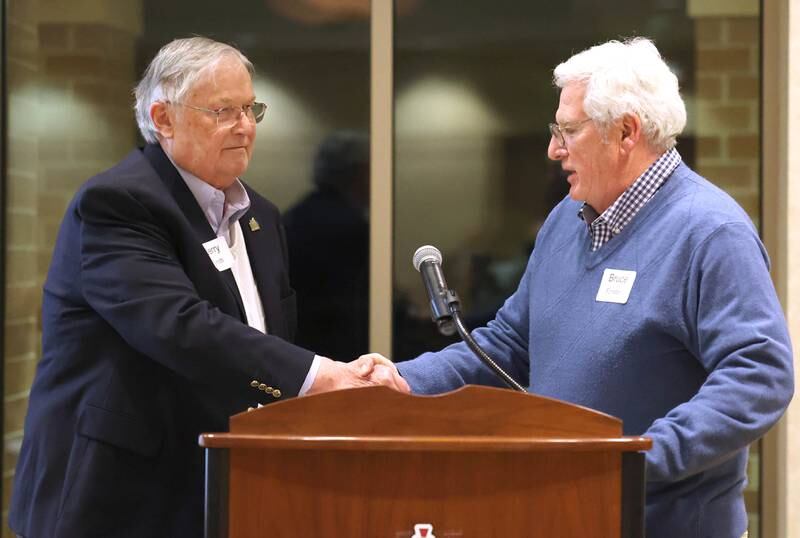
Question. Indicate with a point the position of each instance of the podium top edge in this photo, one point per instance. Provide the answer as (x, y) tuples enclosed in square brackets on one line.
[(468, 411), (425, 443)]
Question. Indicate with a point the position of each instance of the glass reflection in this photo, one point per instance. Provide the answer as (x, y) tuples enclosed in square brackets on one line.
[(328, 236)]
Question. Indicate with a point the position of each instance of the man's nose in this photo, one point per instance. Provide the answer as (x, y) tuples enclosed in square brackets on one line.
[(556, 151), (244, 124)]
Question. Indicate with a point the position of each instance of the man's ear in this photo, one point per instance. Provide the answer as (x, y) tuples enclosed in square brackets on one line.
[(631, 132), (162, 119)]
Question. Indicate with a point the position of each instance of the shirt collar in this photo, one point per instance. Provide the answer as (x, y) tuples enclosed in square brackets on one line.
[(220, 207), (603, 226)]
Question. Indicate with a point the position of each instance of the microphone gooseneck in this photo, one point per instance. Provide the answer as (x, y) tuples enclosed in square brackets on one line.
[(483, 356), (446, 309)]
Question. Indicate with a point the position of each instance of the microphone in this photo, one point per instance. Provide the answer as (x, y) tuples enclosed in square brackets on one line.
[(428, 261), (446, 311)]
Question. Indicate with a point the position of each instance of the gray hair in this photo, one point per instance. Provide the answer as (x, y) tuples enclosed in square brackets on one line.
[(628, 78), (172, 73)]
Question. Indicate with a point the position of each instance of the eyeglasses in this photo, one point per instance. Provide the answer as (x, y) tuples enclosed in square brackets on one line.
[(229, 115), (561, 133)]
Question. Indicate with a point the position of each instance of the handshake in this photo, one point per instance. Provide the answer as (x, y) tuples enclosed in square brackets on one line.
[(365, 371)]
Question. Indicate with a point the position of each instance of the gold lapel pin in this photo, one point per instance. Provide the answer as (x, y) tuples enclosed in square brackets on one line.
[(254, 226)]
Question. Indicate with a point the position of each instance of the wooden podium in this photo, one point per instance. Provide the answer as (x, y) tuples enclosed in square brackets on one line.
[(371, 463)]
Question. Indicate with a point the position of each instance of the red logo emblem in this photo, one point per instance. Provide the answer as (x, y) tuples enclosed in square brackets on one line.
[(423, 530)]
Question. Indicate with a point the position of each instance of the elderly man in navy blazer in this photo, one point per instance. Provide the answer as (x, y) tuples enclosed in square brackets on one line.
[(167, 308)]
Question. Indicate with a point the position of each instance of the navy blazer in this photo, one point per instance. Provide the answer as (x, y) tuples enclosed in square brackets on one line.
[(145, 345)]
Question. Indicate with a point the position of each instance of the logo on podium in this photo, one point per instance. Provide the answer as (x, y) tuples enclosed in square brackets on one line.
[(423, 530)]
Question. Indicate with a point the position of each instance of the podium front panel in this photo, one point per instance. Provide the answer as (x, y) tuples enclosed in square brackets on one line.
[(320, 493)]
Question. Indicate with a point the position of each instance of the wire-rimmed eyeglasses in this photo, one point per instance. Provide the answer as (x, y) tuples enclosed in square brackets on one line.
[(562, 132), (229, 115)]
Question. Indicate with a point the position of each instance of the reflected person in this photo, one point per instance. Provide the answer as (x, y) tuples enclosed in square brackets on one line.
[(328, 238)]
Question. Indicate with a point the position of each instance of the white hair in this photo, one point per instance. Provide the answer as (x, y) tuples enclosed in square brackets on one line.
[(172, 73), (628, 78)]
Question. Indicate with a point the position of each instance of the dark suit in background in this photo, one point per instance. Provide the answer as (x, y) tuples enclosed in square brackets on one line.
[(328, 236)]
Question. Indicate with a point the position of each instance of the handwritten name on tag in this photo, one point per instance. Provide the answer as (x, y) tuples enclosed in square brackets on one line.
[(616, 286), (219, 253)]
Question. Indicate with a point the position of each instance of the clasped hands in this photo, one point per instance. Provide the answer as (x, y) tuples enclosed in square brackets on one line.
[(367, 370)]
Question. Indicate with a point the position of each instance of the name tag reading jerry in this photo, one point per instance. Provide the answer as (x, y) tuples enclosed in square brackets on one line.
[(219, 253), (615, 286)]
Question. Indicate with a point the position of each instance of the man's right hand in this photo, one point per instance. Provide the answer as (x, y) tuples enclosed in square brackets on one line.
[(367, 370), (382, 371)]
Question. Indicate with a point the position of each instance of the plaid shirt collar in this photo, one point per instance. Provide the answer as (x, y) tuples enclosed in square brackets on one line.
[(619, 214)]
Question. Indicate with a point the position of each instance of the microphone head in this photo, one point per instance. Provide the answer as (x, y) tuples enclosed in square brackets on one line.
[(426, 252)]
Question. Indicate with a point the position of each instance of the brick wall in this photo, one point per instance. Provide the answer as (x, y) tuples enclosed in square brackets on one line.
[(727, 99), (727, 106), (69, 117), (23, 287)]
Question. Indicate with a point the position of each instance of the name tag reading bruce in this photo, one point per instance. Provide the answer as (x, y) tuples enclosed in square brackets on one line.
[(219, 253), (615, 286)]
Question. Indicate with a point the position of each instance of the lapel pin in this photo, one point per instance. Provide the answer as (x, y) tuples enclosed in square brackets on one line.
[(254, 226)]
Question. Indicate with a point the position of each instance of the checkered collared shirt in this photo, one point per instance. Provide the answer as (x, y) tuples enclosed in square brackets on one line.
[(619, 214)]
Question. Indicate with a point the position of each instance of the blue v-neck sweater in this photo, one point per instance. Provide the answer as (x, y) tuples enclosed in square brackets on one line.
[(698, 359)]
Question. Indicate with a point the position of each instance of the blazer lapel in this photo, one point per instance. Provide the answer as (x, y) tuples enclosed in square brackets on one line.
[(190, 208), (264, 252)]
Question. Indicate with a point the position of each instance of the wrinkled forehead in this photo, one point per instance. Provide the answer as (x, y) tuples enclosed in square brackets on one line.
[(570, 103), (224, 77)]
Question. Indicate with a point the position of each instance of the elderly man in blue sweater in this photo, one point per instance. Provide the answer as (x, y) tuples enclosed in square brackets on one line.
[(648, 297)]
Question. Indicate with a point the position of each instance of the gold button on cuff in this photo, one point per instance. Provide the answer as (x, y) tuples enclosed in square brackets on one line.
[(268, 389), (276, 393), (262, 386), (254, 383)]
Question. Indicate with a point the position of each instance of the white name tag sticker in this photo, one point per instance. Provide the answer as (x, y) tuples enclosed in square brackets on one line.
[(219, 253), (615, 286)]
